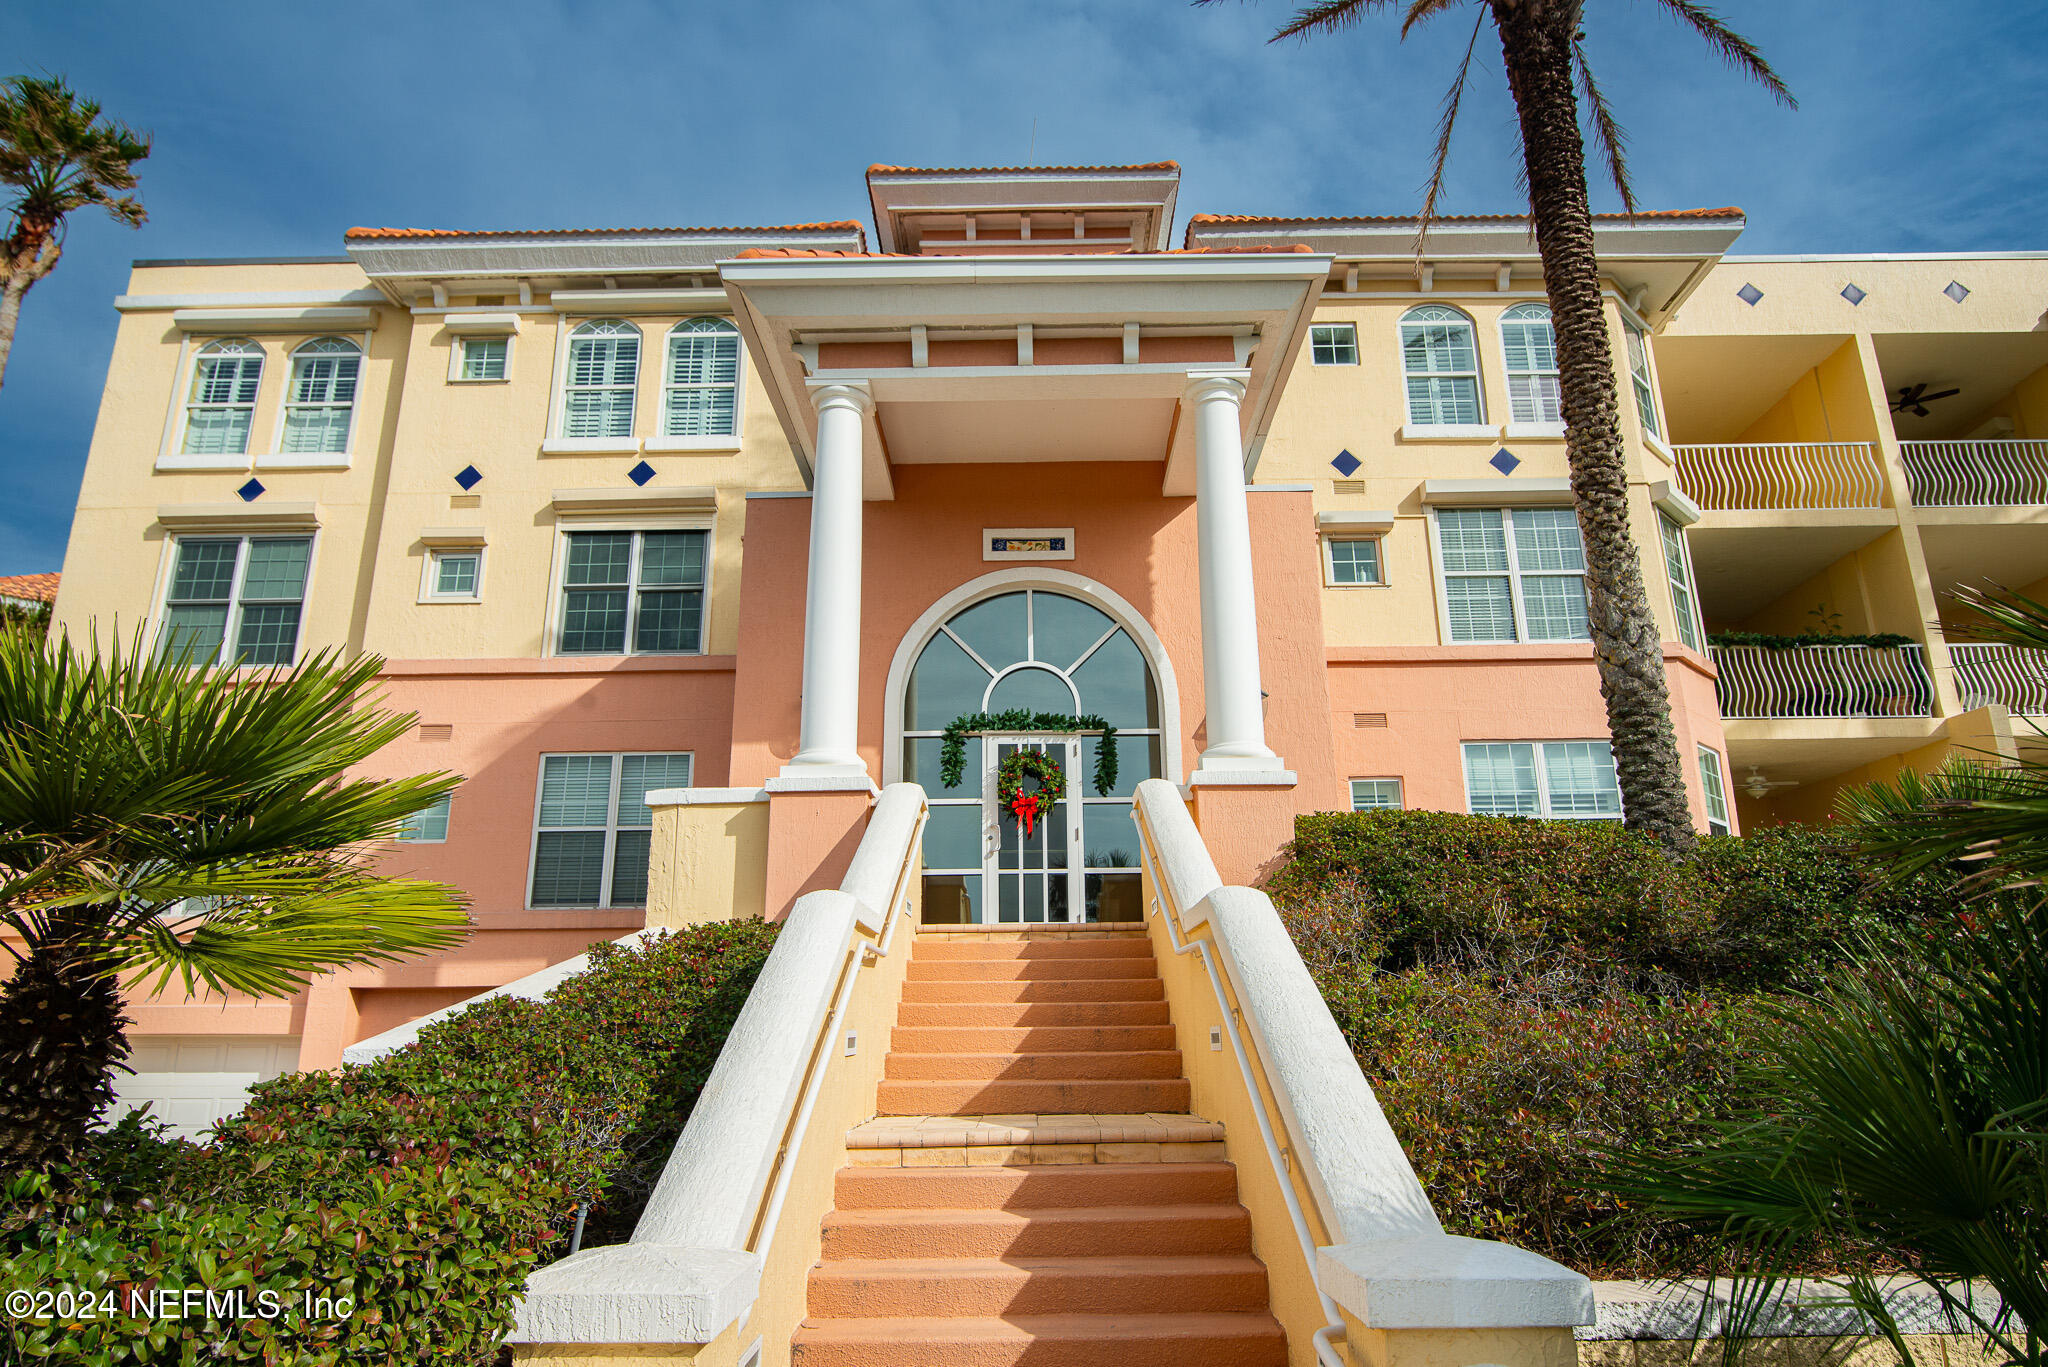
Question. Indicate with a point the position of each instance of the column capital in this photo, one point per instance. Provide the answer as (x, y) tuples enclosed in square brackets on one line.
[(853, 394), (1216, 384)]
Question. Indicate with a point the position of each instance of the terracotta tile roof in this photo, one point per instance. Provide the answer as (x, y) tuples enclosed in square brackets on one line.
[(765, 253), (1727, 212), (884, 169), (40, 588), (838, 225)]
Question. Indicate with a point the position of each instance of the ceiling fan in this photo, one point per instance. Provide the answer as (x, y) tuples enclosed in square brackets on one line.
[(1914, 398), (1759, 787)]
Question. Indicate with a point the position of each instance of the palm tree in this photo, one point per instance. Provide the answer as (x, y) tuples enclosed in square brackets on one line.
[(162, 823), (58, 156), (1543, 47)]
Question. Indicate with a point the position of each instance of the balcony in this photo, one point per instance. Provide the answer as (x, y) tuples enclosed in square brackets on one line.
[(1769, 475), (2015, 677), (1766, 683), (1976, 474)]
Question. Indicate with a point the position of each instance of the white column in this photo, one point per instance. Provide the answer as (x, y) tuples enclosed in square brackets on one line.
[(831, 698), (1230, 616)]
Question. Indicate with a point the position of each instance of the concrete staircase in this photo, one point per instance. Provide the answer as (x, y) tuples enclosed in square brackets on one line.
[(1033, 1192)]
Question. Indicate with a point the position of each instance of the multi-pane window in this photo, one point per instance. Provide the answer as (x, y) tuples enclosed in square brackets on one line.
[(455, 574), (592, 827), (603, 370), (483, 358), (1354, 560), (222, 405), (1560, 778), (701, 387), (1333, 344), (1678, 570), (633, 593), (428, 825), (238, 596), (1375, 794), (321, 403), (1639, 375), (1717, 795), (1513, 574), (1440, 360), (1530, 346)]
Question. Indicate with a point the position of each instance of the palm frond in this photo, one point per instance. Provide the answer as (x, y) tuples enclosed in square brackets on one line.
[(1441, 160), (1327, 16), (1422, 11), (1610, 140), (1735, 49)]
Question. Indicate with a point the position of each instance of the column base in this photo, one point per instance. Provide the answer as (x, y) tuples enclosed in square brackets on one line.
[(1245, 817), (815, 823), (1272, 775)]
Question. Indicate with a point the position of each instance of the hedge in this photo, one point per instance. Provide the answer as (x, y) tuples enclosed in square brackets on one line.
[(419, 1190)]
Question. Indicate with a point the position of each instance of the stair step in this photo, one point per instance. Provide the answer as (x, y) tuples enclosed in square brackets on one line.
[(1023, 1130), (1034, 1067), (1074, 1186), (1137, 1231), (1036, 990), (982, 1015), (1052, 1097), (959, 1287), (1214, 1340), (984, 946), (994, 970), (1114, 1039)]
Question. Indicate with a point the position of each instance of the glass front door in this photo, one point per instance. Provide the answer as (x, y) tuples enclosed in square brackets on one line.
[(1033, 877)]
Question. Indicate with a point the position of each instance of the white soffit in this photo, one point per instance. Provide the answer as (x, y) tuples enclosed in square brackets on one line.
[(1149, 193)]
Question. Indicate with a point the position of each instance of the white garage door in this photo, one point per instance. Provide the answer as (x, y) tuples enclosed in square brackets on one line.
[(195, 1081)]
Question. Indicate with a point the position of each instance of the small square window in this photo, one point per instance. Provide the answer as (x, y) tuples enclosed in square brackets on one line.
[(455, 576), (1376, 795), (1354, 561), (483, 358), (1333, 344), (428, 825)]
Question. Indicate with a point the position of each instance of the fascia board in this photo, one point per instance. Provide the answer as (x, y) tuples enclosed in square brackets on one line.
[(247, 299), (437, 258), (782, 375), (1491, 242), (1089, 270)]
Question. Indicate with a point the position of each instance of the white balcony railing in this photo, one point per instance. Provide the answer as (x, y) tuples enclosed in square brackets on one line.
[(1799, 474), (2015, 677), (1976, 474), (1761, 682)]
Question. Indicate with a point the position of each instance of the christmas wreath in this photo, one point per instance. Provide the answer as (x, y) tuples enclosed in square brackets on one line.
[(953, 753), (1019, 765)]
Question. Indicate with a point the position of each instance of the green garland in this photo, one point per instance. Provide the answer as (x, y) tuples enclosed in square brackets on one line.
[(1794, 641), (953, 754)]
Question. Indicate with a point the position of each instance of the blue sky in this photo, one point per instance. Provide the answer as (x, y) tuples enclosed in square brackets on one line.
[(279, 126)]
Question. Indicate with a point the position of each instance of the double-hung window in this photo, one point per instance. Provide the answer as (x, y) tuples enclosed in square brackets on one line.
[(700, 391), (1678, 570), (603, 372), (1512, 574), (321, 403), (1353, 560), (238, 597), (1440, 361), (1375, 794), (1530, 347), (1716, 794), (454, 576), (1638, 344), (1333, 344), (1559, 778), (222, 405), (633, 593), (592, 827)]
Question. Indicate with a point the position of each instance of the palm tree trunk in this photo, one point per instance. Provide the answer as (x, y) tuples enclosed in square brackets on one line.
[(1536, 43), (62, 1035), (31, 254), (10, 316)]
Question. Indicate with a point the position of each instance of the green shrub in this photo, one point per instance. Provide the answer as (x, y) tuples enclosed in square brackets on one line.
[(421, 1188)]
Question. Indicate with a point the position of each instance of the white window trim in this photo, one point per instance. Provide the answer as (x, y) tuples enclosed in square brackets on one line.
[(1352, 328), (277, 458), (449, 799), (1529, 430), (455, 347), (1692, 583), (660, 442), (1727, 822), (429, 577), (167, 566), (1514, 573), (1330, 580), (1535, 431), (172, 456), (611, 830), (653, 522), (1543, 811), (1415, 431), (1450, 431), (558, 445), (1628, 320), (1400, 792)]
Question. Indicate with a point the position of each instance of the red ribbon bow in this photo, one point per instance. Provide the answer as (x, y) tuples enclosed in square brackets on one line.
[(1025, 808)]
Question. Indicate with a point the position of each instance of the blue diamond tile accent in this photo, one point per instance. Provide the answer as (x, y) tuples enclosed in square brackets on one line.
[(641, 473), (1957, 291), (1853, 294), (251, 491), (1347, 464), (1749, 294), (469, 477), (1505, 461)]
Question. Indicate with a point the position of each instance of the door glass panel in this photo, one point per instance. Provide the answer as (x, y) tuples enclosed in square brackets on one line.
[(993, 629), (946, 683), (1115, 897), (1137, 759), (1062, 627), (1032, 690), (952, 899), (952, 838), (1116, 686), (1108, 836), (921, 755)]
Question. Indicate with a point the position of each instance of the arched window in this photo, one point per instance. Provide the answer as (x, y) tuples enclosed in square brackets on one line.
[(321, 403), (1531, 349), (604, 369), (222, 405), (700, 391), (1441, 362)]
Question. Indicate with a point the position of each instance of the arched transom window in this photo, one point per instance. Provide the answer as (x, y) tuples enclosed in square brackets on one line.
[(1531, 350), (222, 404), (1440, 361), (701, 387)]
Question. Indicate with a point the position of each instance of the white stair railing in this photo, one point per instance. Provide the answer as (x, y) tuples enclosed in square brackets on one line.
[(1799, 474), (1764, 682), (2014, 677), (1976, 474)]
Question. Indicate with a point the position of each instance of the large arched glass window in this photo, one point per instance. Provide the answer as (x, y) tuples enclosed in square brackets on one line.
[(603, 371), (222, 405), (1440, 361), (1529, 344), (321, 403), (1039, 651), (700, 390)]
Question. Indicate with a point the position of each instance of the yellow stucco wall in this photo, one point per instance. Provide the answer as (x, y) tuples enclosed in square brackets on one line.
[(707, 861)]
